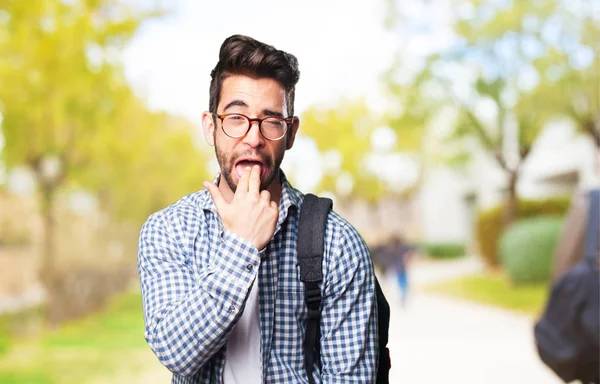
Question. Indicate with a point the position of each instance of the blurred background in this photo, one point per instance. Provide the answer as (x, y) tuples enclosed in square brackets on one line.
[(454, 134)]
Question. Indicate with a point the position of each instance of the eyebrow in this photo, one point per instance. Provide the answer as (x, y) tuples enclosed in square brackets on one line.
[(241, 103), (269, 112), (235, 103)]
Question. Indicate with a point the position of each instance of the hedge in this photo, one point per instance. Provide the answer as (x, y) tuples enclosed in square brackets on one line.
[(527, 248), (490, 222), (444, 250)]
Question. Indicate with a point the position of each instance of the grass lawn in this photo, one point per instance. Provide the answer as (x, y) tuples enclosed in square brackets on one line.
[(82, 351), (494, 288)]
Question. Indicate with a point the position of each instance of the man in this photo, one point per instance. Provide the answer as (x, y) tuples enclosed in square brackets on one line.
[(218, 269)]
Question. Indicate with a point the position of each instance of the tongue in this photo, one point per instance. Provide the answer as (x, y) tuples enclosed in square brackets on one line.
[(239, 167)]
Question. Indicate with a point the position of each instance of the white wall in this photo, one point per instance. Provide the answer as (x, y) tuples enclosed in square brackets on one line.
[(442, 210), (559, 149)]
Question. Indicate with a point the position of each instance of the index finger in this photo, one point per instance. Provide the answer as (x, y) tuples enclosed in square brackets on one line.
[(254, 183), (242, 186)]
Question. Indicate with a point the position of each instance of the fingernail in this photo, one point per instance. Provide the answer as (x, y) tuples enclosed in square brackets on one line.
[(248, 168)]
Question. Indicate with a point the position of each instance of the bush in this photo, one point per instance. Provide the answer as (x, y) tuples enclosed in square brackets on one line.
[(489, 224), (444, 250), (527, 248)]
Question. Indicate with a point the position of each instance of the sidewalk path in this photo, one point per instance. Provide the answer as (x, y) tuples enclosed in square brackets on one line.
[(437, 339)]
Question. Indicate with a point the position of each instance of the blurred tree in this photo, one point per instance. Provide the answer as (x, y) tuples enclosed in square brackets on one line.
[(342, 134), (569, 68), (411, 111), (509, 67), (142, 161), (552, 47), (508, 136), (412, 105), (60, 75)]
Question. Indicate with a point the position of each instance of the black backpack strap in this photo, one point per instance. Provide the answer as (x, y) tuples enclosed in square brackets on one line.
[(310, 246), (592, 234), (383, 324)]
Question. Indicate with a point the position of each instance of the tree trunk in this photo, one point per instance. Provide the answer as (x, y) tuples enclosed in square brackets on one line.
[(48, 262), (48, 185), (592, 129), (512, 202)]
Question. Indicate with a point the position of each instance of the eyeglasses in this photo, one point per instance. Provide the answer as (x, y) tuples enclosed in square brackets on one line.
[(236, 125)]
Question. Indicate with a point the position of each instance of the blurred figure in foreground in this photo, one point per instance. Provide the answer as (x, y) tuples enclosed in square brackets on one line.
[(567, 335), (570, 246)]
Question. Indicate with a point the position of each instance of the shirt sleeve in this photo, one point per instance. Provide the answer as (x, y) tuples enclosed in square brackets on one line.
[(349, 341), (189, 317)]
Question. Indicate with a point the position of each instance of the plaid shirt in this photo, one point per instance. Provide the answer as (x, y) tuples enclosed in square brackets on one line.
[(195, 277)]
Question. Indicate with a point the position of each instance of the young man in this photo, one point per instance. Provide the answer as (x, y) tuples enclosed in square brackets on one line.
[(222, 299)]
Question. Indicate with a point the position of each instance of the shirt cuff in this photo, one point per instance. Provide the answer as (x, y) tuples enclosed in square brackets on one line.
[(237, 260)]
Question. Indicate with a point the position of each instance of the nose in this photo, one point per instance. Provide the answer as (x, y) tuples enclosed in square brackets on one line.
[(253, 137)]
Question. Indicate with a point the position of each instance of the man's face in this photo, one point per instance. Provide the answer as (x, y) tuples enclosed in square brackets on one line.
[(255, 98)]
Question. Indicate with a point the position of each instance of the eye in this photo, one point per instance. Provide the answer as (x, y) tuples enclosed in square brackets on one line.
[(273, 123)]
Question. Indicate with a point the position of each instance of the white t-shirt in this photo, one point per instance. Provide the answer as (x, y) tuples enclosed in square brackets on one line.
[(243, 363)]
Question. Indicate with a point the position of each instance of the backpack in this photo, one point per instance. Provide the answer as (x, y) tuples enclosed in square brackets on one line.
[(567, 334), (310, 247)]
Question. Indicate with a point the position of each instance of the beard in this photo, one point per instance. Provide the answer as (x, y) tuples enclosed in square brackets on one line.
[(270, 167)]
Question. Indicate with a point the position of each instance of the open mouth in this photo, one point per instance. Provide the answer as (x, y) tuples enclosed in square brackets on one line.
[(241, 164)]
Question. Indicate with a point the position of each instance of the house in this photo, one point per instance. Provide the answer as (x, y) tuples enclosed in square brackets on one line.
[(560, 161)]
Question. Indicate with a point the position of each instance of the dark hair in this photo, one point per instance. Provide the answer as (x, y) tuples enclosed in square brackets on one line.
[(243, 55)]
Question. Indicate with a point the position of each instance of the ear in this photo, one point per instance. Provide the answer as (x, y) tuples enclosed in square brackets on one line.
[(208, 126), (292, 135)]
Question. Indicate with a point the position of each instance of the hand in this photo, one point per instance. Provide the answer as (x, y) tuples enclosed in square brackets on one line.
[(251, 214)]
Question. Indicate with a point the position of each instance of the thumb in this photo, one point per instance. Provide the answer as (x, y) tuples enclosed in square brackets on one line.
[(216, 195)]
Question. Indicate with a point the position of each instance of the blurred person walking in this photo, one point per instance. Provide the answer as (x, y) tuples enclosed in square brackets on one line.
[(400, 254)]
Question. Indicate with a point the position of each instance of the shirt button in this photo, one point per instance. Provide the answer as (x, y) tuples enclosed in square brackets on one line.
[(249, 267), (232, 309)]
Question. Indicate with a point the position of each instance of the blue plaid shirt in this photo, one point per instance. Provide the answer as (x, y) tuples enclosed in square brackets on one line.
[(195, 277)]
